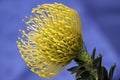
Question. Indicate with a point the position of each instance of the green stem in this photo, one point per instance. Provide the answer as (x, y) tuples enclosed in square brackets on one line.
[(84, 60), (84, 57), (90, 67)]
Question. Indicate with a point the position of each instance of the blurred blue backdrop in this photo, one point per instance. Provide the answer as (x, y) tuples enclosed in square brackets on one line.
[(100, 24)]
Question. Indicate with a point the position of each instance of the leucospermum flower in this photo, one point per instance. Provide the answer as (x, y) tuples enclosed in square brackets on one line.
[(52, 39)]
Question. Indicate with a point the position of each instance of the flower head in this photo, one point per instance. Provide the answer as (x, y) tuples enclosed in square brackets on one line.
[(52, 39)]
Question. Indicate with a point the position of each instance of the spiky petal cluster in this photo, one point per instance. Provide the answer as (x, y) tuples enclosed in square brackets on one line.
[(52, 39)]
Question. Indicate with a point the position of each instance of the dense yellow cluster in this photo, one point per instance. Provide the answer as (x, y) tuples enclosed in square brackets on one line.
[(52, 39)]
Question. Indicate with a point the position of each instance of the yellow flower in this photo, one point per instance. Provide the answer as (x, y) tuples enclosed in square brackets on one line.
[(52, 39)]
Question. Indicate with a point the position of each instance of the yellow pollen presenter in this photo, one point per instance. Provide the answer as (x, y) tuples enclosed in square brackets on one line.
[(51, 39)]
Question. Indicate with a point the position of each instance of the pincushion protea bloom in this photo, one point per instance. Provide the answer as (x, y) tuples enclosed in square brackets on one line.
[(52, 39)]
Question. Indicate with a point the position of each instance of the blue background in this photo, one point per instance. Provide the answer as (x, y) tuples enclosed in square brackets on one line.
[(100, 26)]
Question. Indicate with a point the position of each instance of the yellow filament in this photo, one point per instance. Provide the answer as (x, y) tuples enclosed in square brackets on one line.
[(53, 36)]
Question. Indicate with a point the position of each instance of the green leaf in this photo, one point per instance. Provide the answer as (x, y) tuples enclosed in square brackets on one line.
[(74, 69), (93, 53), (79, 73), (97, 62), (104, 73), (111, 72), (84, 75), (94, 74), (78, 61)]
